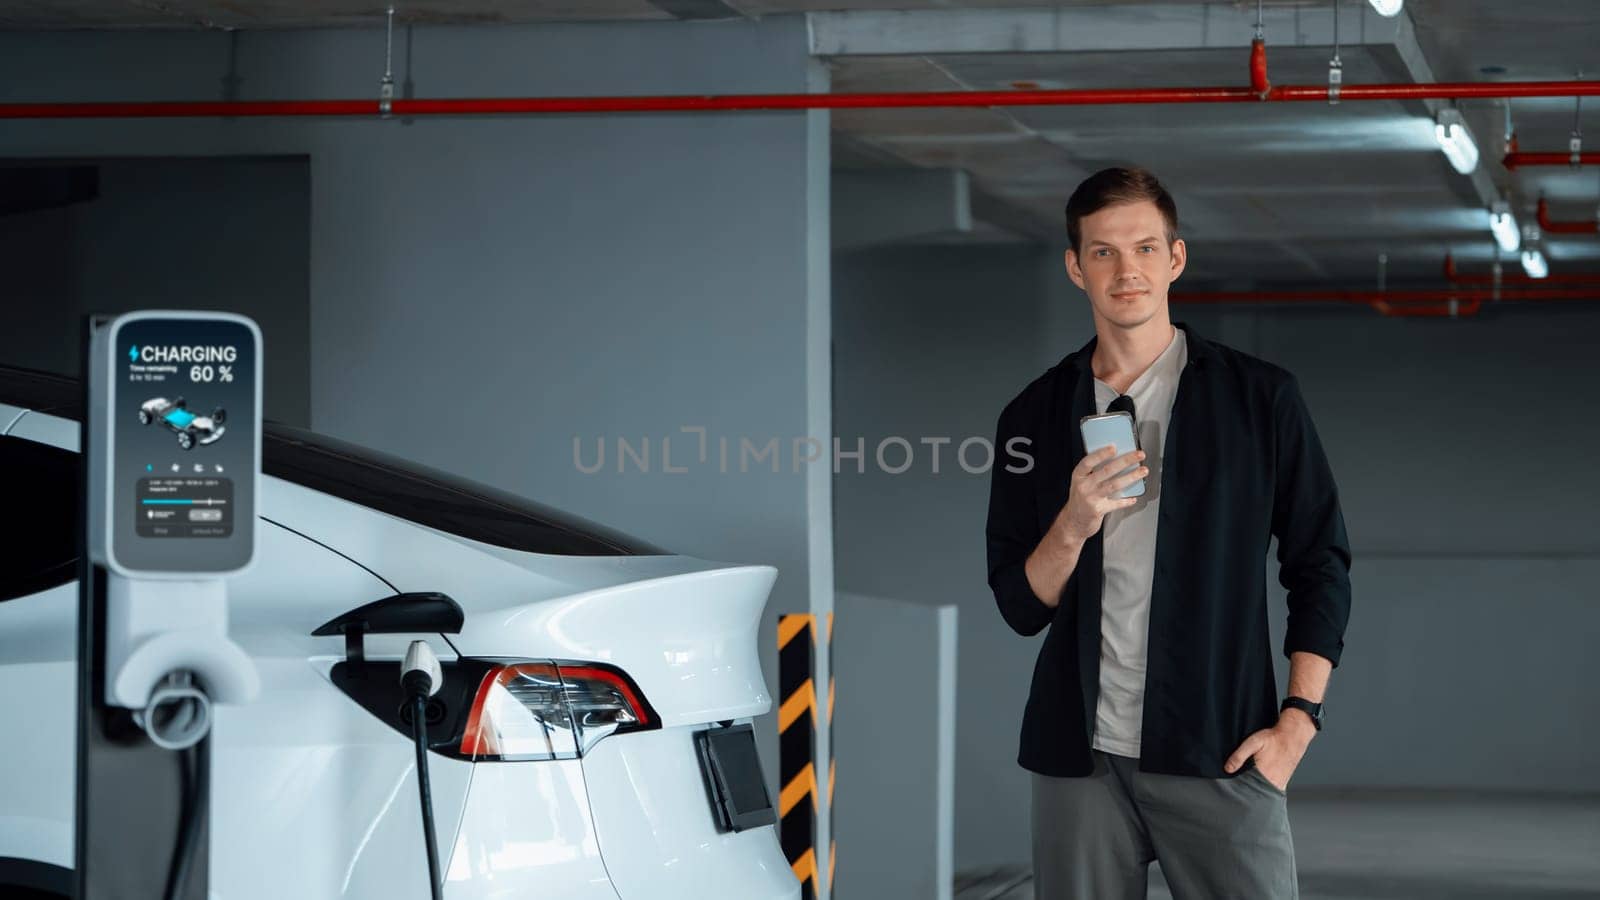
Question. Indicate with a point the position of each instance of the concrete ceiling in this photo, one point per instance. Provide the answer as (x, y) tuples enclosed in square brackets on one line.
[(342, 13), (1274, 193), (1269, 193)]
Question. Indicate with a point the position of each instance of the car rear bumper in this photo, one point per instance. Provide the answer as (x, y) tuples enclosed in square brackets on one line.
[(526, 831), (629, 821), (657, 833)]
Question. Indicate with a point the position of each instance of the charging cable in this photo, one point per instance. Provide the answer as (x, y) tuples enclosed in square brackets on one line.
[(421, 677), (196, 762), (178, 718)]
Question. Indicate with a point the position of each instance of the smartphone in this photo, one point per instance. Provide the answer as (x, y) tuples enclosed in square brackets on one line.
[(1116, 430)]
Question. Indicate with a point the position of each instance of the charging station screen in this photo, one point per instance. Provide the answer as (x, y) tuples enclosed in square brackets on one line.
[(183, 428)]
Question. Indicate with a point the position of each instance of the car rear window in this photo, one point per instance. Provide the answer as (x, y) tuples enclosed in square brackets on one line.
[(42, 485), (378, 481), (436, 499)]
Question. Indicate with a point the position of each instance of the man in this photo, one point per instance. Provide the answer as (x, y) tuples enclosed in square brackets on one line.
[(1153, 727)]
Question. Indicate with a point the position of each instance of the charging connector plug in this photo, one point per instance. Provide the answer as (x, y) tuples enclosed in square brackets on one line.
[(421, 677)]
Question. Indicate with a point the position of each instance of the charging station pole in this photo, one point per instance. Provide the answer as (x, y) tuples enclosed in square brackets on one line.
[(171, 447)]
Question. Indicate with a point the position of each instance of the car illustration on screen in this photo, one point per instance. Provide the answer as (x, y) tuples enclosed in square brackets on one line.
[(190, 428)]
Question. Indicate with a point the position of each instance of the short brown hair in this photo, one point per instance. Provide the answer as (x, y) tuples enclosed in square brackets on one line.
[(1109, 187)]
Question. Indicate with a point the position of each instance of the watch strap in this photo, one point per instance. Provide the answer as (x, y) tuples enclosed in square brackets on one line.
[(1314, 710)]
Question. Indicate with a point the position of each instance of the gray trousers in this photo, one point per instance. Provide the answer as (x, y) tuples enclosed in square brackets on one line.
[(1095, 837)]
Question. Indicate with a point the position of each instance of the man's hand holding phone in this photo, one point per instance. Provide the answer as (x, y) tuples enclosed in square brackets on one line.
[(1094, 486)]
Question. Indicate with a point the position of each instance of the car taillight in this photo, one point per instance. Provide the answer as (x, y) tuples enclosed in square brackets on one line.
[(549, 711)]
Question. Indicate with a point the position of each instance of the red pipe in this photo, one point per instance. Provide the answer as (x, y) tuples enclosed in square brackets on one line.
[(197, 109), (1460, 90), (1450, 274), (1551, 227), (1443, 310), (1427, 303), (1258, 68), (746, 102), (1517, 159), (1392, 297)]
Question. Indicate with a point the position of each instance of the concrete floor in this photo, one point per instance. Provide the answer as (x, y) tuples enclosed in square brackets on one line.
[(1412, 845)]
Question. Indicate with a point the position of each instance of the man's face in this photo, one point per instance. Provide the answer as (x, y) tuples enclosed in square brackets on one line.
[(1126, 263)]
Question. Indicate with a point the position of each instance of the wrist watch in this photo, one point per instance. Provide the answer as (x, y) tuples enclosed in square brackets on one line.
[(1314, 710)]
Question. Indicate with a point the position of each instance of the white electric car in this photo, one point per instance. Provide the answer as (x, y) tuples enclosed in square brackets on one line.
[(586, 670)]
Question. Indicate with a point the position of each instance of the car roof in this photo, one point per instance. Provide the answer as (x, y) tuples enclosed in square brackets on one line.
[(377, 480)]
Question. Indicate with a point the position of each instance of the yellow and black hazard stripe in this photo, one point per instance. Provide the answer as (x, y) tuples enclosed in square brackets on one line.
[(833, 845), (797, 722)]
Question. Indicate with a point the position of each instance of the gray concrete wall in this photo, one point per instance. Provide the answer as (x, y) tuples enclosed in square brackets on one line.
[(1460, 451), (932, 343), (230, 234), (482, 291), (894, 722), (1474, 563)]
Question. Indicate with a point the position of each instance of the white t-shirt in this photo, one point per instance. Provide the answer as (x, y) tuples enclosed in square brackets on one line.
[(1130, 550)]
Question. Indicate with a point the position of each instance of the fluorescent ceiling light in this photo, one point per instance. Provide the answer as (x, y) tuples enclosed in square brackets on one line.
[(1506, 232), (1533, 262), (1388, 7), (1457, 144)]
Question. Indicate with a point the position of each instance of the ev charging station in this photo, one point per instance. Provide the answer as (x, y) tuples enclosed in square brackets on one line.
[(171, 445)]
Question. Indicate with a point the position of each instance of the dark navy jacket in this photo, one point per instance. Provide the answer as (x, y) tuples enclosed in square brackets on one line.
[(1241, 464)]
